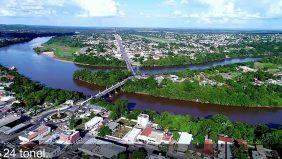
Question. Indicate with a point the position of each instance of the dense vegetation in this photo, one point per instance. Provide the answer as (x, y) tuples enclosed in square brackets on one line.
[(238, 91), (101, 78), (33, 94), (260, 49), (200, 127), (99, 60)]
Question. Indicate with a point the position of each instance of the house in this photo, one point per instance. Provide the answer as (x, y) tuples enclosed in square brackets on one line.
[(7, 99), (166, 139), (262, 153), (69, 137), (143, 120), (94, 123), (184, 141), (208, 147), (113, 126), (224, 145), (101, 149), (131, 136), (35, 135), (10, 77), (150, 136)]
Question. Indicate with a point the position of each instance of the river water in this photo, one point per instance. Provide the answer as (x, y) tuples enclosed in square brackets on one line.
[(58, 74)]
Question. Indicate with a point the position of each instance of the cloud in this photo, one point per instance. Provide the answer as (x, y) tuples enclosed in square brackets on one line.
[(81, 8)]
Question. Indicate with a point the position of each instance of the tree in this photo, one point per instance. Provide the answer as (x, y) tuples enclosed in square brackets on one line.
[(239, 152), (104, 131), (139, 154), (122, 155), (72, 123), (175, 135)]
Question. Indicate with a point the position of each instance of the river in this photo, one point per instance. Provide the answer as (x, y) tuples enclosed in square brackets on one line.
[(58, 74)]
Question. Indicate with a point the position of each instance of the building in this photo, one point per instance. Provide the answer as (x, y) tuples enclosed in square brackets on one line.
[(224, 145), (35, 135), (7, 99), (208, 147), (143, 120), (113, 126), (262, 153), (101, 149), (49, 150), (4, 120), (150, 136), (131, 136), (69, 137), (184, 141), (94, 123)]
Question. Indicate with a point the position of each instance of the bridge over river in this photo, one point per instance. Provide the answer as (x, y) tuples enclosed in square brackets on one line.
[(119, 84)]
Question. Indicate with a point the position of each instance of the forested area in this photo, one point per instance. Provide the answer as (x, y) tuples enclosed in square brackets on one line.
[(107, 61), (101, 78), (238, 91), (33, 94)]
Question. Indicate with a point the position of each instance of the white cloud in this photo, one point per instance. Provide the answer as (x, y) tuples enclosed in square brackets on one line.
[(82, 8), (97, 8), (170, 2)]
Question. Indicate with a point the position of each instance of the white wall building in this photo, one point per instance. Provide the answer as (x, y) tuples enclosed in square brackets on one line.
[(131, 136), (184, 141), (143, 120), (94, 123)]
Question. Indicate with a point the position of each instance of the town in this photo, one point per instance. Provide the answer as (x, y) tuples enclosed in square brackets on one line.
[(74, 130)]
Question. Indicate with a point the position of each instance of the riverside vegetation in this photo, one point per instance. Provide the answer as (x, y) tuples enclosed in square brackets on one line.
[(236, 87)]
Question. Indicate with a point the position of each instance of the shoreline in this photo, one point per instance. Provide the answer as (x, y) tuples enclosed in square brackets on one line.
[(199, 102), (53, 56)]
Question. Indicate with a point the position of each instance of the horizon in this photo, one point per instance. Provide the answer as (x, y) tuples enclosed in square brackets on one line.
[(136, 27), (186, 14)]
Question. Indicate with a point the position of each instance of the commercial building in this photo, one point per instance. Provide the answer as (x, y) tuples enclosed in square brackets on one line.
[(35, 135), (69, 137), (101, 149)]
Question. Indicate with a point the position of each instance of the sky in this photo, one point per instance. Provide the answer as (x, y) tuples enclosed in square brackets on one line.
[(204, 14)]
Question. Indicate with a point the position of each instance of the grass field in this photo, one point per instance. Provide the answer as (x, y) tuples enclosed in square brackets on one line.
[(63, 52)]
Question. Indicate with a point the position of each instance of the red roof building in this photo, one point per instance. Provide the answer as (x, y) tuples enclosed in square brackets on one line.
[(69, 137), (208, 147), (10, 77), (225, 138), (147, 131)]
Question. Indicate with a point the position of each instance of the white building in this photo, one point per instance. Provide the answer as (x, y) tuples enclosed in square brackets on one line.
[(224, 144), (94, 123), (143, 120), (184, 141), (35, 135), (131, 136)]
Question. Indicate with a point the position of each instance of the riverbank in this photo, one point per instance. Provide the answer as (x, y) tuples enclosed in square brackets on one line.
[(57, 74), (207, 86)]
